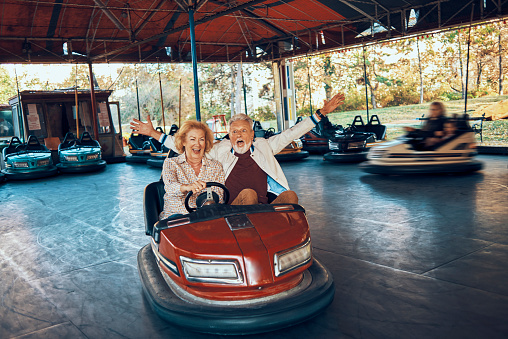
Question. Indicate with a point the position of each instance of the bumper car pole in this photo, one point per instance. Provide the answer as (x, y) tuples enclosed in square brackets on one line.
[(20, 116), (162, 100), (94, 103), (194, 62), (180, 105), (467, 60), (365, 78), (76, 99), (137, 92)]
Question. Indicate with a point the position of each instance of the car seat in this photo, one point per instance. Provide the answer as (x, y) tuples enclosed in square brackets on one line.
[(153, 204), (86, 140), (374, 126), (358, 124), (139, 141), (68, 141), (174, 128), (259, 132), (13, 144), (33, 144)]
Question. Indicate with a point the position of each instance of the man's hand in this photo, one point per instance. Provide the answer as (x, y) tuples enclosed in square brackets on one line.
[(409, 129), (331, 105), (145, 128)]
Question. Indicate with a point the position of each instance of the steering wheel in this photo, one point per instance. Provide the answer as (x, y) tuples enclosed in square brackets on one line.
[(207, 198), (270, 132)]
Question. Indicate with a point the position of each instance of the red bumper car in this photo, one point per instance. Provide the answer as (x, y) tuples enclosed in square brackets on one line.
[(226, 269)]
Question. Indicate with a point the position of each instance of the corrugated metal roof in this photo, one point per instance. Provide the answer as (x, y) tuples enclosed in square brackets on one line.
[(60, 31)]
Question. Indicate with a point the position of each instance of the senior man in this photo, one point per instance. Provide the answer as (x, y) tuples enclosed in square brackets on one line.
[(252, 172)]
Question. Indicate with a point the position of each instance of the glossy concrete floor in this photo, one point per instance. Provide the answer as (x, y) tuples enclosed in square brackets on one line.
[(419, 257)]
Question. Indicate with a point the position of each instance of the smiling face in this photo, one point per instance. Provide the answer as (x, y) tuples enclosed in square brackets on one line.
[(241, 136), (194, 144), (435, 111), (449, 128)]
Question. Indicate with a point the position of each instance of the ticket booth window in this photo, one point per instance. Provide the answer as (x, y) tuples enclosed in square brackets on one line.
[(6, 123), (35, 121), (103, 115)]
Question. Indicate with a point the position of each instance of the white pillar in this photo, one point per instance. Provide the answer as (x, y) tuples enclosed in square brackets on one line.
[(284, 94)]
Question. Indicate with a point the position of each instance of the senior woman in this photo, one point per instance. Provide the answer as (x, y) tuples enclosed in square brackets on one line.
[(191, 170)]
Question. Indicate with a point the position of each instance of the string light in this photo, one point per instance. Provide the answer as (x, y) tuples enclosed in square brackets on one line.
[(414, 38)]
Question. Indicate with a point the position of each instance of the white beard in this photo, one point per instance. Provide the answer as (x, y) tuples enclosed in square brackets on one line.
[(242, 150)]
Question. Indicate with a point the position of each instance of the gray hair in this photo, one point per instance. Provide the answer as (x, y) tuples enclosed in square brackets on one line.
[(239, 117)]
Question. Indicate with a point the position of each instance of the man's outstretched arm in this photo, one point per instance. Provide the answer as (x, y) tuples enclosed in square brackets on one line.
[(146, 128), (279, 141)]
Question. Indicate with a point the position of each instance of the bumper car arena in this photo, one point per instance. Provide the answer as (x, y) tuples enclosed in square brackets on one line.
[(410, 256), (392, 236)]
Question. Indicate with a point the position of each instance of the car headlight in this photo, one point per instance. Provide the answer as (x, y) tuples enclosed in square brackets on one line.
[(71, 158), (333, 145), (356, 144), (290, 259), (213, 271), (92, 156), (298, 143), (20, 164), (44, 162)]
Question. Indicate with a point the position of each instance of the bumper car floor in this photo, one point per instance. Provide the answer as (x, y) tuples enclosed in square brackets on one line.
[(411, 257)]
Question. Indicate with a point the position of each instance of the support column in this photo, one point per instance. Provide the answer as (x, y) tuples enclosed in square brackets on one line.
[(285, 98), (194, 63), (94, 104)]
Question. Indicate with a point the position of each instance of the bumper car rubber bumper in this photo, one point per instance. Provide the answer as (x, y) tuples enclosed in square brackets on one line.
[(345, 157), (137, 159), (277, 313), (2, 177), (27, 175), (114, 159), (156, 162), (82, 168), (292, 156), (465, 167), (316, 149)]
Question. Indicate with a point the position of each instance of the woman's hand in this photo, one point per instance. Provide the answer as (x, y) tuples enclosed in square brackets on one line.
[(195, 187)]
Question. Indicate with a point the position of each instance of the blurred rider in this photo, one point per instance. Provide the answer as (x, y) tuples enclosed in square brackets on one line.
[(432, 128), (435, 121)]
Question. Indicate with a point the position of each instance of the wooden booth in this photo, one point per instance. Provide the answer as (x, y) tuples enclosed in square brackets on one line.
[(49, 115)]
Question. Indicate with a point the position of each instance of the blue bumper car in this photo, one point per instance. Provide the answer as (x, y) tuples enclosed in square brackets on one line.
[(30, 160), (79, 156)]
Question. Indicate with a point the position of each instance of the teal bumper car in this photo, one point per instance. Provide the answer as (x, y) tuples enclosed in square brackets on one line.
[(140, 148), (80, 156), (159, 152), (30, 160)]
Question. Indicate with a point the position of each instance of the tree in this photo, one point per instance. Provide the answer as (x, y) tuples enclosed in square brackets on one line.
[(149, 93), (7, 86)]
